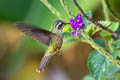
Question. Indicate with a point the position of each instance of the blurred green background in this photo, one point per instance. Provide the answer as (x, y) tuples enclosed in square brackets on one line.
[(20, 55)]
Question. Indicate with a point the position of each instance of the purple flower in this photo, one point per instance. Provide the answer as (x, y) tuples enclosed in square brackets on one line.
[(77, 24), (76, 33)]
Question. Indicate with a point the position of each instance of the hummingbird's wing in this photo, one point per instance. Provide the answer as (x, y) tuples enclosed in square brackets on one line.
[(43, 36)]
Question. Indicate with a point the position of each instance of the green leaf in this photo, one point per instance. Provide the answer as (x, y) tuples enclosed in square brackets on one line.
[(88, 77), (111, 73), (117, 43), (115, 53), (67, 34), (67, 28), (67, 37), (97, 64), (105, 34), (113, 27), (92, 29), (100, 42)]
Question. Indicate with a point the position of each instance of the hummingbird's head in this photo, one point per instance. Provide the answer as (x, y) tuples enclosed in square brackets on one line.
[(59, 24)]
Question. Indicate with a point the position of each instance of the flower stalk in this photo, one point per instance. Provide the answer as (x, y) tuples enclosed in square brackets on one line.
[(52, 9), (101, 50)]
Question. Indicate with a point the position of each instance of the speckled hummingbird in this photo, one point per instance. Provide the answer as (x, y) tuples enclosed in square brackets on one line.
[(52, 39)]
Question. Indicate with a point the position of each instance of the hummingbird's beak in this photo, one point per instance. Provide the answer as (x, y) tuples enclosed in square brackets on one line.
[(67, 23)]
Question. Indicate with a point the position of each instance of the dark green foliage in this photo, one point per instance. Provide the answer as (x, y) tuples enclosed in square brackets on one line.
[(100, 42), (97, 64), (100, 67)]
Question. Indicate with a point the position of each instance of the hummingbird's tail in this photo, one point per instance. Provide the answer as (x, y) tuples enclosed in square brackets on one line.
[(45, 60)]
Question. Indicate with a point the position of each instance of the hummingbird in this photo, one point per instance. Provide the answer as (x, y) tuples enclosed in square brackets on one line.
[(53, 39)]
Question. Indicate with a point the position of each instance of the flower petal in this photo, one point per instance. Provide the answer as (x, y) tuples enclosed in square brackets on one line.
[(78, 34), (72, 21), (73, 33), (74, 25), (79, 21), (81, 26), (77, 24), (78, 16)]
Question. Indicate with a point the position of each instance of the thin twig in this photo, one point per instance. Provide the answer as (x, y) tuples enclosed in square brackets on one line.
[(67, 9), (95, 22)]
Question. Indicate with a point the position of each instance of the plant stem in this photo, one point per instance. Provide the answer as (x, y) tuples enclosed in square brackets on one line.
[(101, 50), (52, 9), (67, 9), (105, 10), (95, 22)]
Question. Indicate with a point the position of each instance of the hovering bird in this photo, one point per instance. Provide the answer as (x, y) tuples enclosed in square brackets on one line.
[(52, 39)]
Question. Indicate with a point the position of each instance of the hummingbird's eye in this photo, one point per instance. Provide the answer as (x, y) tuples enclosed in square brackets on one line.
[(59, 26)]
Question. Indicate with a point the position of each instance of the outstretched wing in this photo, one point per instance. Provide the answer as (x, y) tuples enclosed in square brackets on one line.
[(43, 36)]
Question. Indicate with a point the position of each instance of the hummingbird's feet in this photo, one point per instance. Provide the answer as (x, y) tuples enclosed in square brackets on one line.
[(58, 53)]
